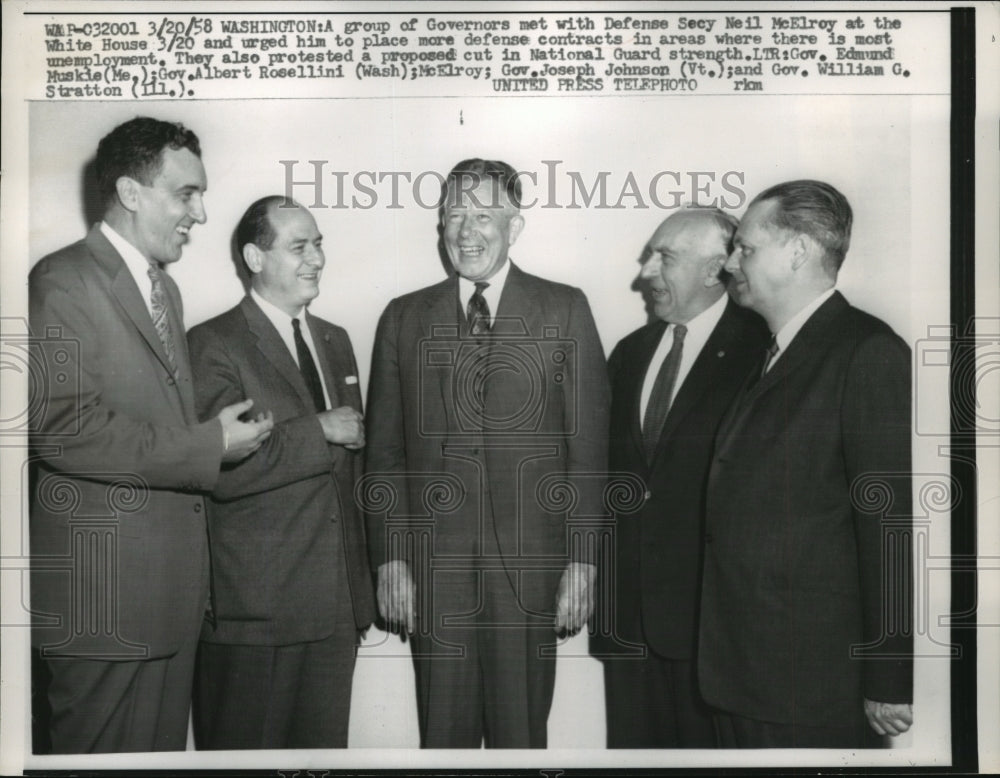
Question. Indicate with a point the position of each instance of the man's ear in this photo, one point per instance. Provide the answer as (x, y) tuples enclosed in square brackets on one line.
[(127, 189), (253, 257), (516, 225), (713, 269), (802, 246)]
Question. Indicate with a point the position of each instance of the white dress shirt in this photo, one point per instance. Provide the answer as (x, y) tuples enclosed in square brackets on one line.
[(698, 331), (467, 288), (786, 334), (283, 324), (136, 263)]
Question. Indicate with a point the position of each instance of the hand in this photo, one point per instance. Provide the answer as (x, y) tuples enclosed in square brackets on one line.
[(344, 426), (396, 594), (889, 718), (242, 438), (575, 597)]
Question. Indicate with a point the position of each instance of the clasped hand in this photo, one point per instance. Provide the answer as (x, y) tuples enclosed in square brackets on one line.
[(242, 438), (343, 426)]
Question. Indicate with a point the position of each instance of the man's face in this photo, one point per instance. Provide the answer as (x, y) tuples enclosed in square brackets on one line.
[(167, 209), (479, 227), (681, 266), (761, 262), (287, 274)]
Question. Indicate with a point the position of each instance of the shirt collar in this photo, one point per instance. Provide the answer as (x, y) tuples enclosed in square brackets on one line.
[(467, 288), (278, 317), (137, 264), (786, 334), (702, 325)]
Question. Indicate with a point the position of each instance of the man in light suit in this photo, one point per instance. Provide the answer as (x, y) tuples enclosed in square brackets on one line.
[(118, 538), (488, 410), (291, 588), (807, 584), (671, 382)]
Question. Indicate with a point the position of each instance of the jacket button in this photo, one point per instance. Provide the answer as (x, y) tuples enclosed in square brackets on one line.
[(170, 381), (197, 507)]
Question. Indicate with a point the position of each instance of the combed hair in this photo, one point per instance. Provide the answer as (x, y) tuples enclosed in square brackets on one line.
[(816, 209), (134, 149), (255, 225), (469, 173)]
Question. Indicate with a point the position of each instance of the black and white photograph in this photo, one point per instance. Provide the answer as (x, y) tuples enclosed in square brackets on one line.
[(499, 387)]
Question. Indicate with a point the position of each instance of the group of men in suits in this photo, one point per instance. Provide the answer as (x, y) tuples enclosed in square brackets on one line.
[(746, 591), (760, 597)]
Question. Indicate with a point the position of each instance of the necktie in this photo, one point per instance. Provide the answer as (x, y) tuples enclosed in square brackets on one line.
[(478, 311), (159, 312), (771, 353), (663, 389), (308, 367)]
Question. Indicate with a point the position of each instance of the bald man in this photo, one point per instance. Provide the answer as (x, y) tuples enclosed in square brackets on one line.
[(671, 382)]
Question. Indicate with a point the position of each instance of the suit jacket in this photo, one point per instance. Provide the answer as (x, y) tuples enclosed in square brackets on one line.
[(657, 558), (523, 439), (807, 583), (117, 526), (283, 522)]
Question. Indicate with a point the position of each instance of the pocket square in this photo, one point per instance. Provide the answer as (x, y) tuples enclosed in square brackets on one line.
[(351, 379)]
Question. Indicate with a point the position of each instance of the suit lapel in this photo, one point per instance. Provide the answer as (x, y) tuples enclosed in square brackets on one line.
[(440, 319), (126, 293), (333, 364), (270, 344), (804, 346), (637, 370)]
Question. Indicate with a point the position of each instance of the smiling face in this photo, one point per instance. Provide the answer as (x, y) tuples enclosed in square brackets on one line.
[(164, 212), (287, 274), (480, 225), (762, 262), (681, 266)]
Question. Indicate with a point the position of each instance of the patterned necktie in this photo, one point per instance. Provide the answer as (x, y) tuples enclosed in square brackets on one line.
[(772, 352), (663, 389), (478, 311), (308, 367), (159, 312)]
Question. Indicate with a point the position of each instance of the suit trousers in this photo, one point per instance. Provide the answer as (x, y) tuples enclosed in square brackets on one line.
[(481, 674), (107, 707), (741, 732), (294, 696), (652, 702)]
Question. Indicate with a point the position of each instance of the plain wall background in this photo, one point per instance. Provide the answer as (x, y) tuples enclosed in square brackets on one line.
[(869, 147)]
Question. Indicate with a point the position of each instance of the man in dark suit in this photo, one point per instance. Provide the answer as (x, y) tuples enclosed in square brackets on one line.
[(118, 541), (805, 601), (671, 382), (291, 587), (487, 438)]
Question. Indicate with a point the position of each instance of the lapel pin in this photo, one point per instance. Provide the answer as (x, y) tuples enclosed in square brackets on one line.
[(721, 354)]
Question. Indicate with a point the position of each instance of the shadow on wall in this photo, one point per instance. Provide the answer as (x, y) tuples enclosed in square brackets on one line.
[(90, 196)]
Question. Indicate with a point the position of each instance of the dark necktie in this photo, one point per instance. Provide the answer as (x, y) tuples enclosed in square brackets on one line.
[(770, 354), (160, 314), (308, 367), (478, 311), (663, 388)]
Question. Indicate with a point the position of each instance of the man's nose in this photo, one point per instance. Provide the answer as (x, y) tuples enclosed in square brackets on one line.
[(197, 209), (732, 262), (315, 257), (650, 266), (468, 222)]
